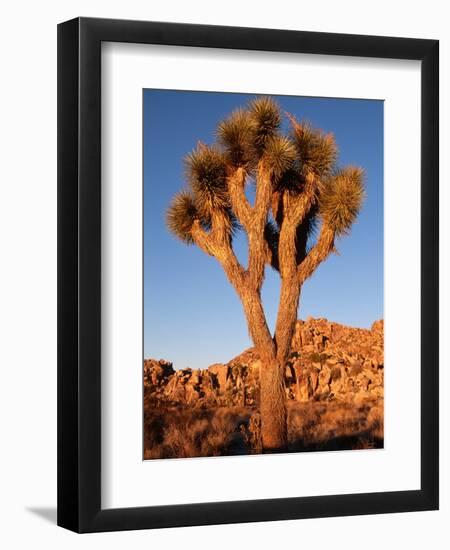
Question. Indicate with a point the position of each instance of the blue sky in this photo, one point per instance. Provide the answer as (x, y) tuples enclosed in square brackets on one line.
[(191, 313)]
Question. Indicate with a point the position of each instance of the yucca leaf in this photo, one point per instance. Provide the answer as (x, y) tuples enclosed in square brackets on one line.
[(181, 215), (306, 230), (279, 155), (206, 174), (291, 180), (235, 135), (317, 151), (341, 198), (232, 222), (272, 236), (265, 115)]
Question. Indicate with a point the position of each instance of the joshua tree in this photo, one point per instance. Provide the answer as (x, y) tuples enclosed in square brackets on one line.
[(298, 187)]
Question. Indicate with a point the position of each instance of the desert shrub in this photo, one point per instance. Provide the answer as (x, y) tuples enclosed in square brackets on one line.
[(185, 433), (335, 373), (318, 357), (312, 426), (334, 425), (356, 369), (375, 418)]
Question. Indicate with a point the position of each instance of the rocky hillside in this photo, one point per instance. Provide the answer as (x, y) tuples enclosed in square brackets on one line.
[(329, 361)]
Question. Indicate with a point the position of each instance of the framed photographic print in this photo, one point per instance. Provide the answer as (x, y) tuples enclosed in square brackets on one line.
[(248, 275)]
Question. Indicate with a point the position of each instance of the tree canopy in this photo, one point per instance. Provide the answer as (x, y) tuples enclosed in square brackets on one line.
[(301, 192)]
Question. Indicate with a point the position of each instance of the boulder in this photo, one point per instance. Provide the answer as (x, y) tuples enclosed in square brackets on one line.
[(327, 361), (220, 371)]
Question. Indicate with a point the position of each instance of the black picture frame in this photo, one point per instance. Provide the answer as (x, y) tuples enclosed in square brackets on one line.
[(79, 274)]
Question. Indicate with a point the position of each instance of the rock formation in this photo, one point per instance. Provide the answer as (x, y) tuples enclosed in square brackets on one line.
[(328, 361)]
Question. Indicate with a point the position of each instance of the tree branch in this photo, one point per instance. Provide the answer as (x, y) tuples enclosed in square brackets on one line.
[(257, 244), (295, 209), (217, 244), (290, 292), (263, 196), (239, 203), (203, 239), (287, 316), (318, 253)]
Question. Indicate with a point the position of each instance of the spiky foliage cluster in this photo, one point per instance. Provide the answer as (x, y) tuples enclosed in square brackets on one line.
[(306, 231), (246, 134), (317, 151), (206, 175), (291, 181), (181, 215), (266, 118), (341, 199), (279, 155), (252, 137), (234, 134), (207, 192)]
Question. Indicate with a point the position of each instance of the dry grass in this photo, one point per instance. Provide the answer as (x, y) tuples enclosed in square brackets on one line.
[(315, 426), (182, 433), (334, 426)]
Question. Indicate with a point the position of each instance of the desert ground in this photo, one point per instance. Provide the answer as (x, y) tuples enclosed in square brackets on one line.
[(334, 395)]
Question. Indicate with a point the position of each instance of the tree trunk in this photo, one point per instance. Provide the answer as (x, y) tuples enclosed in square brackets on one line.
[(287, 318), (273, 407), (272, 386)]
